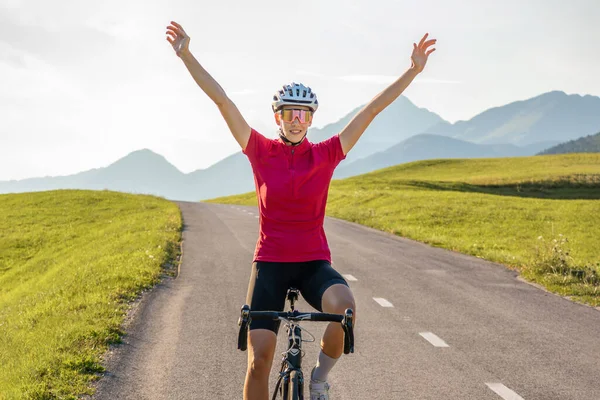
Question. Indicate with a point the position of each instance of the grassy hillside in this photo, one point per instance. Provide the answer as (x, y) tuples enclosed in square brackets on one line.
[(509, 210), (69, 262)]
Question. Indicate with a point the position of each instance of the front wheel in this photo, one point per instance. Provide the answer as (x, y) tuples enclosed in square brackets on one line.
[(296, 391)]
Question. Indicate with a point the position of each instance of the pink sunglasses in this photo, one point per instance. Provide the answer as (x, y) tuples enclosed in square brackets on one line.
[(290, 114)]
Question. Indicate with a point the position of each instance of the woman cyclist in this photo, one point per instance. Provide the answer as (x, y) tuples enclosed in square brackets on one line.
[(292, 177)]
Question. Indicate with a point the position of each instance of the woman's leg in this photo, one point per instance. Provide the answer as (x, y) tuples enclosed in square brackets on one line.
[(266, 292), (336, 299), (326, 290), (261, 349)]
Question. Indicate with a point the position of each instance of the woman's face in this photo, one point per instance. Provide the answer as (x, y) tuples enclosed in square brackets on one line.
[(294, 131)]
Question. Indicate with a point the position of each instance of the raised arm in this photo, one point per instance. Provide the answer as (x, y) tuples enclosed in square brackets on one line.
[(235, 121), (355, 128)]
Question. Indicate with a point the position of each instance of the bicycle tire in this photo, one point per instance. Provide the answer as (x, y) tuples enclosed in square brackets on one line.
[(294, 388)]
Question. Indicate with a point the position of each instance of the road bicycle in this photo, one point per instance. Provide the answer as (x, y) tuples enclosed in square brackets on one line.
[(290, 385)]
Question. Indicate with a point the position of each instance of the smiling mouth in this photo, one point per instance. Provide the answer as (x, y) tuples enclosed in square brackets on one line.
[(295, 131)]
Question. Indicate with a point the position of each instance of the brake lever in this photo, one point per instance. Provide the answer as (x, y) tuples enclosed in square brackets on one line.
[(243, 323), (348, 326)]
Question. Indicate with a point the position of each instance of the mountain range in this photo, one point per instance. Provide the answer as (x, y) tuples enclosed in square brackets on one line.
[(426, 146), (401, 133)]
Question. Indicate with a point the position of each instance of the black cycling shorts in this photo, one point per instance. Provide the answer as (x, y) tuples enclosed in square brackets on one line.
[(269, 282)]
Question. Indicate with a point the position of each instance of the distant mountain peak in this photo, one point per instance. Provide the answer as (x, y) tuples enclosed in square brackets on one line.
[(559, 94), (553, 93), (142, 151), (552, 116), (143, 160), (142, 155)]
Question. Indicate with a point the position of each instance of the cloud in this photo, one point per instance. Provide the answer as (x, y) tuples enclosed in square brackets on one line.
[(379, 79), (375, 79), (130, 29), (369, 78), (11, 56), (433, 80), (27, 77), (61, 45)]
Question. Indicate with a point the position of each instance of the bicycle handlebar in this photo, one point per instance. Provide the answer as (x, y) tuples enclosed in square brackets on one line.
[(347, 321), (296, 316)]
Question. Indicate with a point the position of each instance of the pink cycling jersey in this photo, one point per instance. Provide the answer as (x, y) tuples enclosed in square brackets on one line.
[(292, 183)]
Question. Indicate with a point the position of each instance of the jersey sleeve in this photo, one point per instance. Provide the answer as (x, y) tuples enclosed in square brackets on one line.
[(257, 146), (333, 150)]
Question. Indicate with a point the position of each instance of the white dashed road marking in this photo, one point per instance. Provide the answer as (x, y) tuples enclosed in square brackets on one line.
[(349, 277), (383, 302), (433, 339), (503, 391)]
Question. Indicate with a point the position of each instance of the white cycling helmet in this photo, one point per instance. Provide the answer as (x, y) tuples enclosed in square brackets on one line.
[(295, 94)]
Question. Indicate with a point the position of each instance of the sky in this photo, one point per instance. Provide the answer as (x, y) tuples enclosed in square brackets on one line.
[(83, 84)]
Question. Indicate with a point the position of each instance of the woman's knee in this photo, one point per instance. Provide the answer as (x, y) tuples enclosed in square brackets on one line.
[(261, 349), (337, 298)]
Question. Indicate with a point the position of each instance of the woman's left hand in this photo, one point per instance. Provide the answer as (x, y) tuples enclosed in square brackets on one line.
[(420, 53)]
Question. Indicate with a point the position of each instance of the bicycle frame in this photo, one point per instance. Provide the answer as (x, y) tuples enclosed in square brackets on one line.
[(292, 361), (292, 358)]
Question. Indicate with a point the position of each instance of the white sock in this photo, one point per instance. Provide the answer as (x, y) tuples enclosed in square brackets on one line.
[(324, 365)]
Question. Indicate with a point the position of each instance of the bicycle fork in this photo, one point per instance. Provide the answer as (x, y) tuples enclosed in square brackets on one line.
[(292, 361)]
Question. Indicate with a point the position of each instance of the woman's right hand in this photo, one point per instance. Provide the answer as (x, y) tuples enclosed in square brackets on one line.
[(178, 38)]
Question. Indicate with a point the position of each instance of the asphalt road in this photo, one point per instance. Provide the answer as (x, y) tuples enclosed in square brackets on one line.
[(431, 324)]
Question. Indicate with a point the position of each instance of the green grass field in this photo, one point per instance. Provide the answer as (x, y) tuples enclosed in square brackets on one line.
[(69, 263), (507, 210)]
